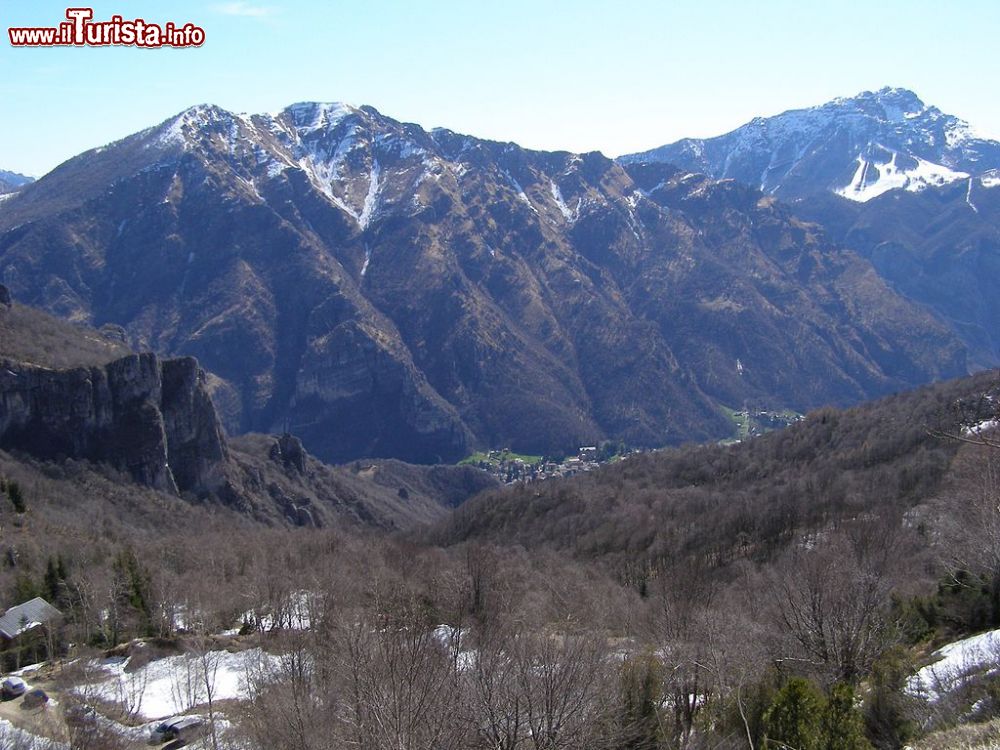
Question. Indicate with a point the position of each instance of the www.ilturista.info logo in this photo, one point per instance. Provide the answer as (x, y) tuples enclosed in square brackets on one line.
[(81, 31)]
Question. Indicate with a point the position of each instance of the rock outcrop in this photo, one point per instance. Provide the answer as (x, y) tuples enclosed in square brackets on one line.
[(151, 419), (288, 451)]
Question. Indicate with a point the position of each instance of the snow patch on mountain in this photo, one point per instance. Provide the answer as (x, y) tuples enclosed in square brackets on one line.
[(404, 148), (977, 430), (960, 132), (968, 196), (371, 199), (570, 215), (323, 170), (872, 179), (179, 130), (310, 117), (275, 167), (368, 259), (519, 190), (990, 179)]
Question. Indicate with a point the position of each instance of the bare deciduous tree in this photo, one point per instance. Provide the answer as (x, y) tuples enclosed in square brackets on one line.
[(970, 520), (830, 602)]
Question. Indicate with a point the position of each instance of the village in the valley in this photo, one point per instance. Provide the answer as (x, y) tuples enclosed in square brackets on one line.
[(510, 467)]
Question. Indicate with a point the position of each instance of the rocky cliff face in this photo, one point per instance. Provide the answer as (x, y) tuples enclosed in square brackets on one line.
[(67, 391), (149, 418)]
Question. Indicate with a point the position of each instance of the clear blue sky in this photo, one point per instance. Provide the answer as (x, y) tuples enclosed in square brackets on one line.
[(558, 74)]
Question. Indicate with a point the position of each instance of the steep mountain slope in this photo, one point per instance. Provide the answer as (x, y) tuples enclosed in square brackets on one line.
[(858, 147), (939, 247), (392, 292)]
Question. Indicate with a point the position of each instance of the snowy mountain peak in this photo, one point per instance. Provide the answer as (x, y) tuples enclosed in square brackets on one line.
[(309, 117), (896, 104), (858, 147), (179, 129)]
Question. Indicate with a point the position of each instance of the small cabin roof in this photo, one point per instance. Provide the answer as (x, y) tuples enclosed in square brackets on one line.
[(23, 617)]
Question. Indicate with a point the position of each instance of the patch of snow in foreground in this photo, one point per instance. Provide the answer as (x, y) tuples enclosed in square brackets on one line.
[(176, 684), (978, 429), (11, 736), (955, 662), (29, 669), (295, 613)]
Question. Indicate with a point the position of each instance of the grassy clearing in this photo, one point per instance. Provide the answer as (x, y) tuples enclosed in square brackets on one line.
[(498, 457), (741, 423), (967, 737)]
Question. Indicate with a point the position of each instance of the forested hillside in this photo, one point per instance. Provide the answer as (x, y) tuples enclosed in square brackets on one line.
[(713, 505)]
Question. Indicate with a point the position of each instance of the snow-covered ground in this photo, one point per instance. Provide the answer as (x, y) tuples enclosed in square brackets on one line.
[(12, 737), (956, 662), (176, 684), (294, 614), (976, 430), (452, 640)]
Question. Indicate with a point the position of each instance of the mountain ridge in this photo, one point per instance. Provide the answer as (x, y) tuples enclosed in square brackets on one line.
[(11, 182), (858, 147), (439, 293)]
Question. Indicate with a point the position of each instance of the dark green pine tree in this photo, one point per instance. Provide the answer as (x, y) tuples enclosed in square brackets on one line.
[(25, 588), (794, 720), (640, 722), (843, 725), (16, 496), (135, 587), (56, 575), (51, 581)]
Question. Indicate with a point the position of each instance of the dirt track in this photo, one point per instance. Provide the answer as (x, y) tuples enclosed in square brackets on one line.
[(44, 721)]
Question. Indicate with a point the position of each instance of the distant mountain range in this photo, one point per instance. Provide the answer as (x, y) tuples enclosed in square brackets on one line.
[(11, 181), (913, 189), (382, 290), (858, 147)]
